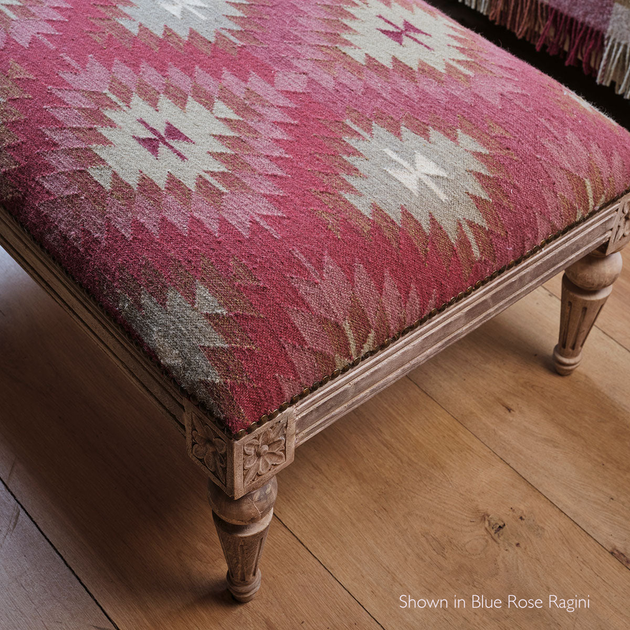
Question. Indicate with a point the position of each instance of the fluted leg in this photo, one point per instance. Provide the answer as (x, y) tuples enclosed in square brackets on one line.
[(586, 286), (242, 526)]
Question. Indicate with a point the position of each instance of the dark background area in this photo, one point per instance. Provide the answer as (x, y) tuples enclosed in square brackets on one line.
[(604, 98)]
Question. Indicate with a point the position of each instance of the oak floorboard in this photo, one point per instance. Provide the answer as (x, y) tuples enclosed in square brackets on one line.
[(414, 504), (37, 590), (568, 436), (615, 316), (107, 479)]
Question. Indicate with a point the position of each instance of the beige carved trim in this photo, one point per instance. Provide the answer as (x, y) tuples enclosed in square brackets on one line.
[(265, 451), (620, 236), (207, 445), (260, 455), (240, 466), (586, 285)]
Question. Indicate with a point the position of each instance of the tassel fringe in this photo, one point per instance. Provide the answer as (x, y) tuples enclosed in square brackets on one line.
[(483, 6), (615, 66), (551, 29)]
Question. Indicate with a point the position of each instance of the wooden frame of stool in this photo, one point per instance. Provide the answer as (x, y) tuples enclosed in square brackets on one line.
[(242, 468)]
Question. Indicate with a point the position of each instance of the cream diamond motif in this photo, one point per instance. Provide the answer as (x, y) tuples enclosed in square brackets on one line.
[(409, 34), (432, 179), (422, 171), (158, 142), (205, 17), (177, 6)]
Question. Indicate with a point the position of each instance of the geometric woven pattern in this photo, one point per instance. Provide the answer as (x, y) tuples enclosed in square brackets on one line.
[(261, 192)]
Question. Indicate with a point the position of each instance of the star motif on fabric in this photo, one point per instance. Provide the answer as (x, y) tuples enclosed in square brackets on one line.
[(177, 6), (152, 144), (421, 171), (181, 349), (162, 141), (407, 30), (412, 35), (203, 16), (428, 177)]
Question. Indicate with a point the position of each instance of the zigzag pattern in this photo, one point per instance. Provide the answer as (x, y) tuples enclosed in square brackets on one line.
[(261, 193)]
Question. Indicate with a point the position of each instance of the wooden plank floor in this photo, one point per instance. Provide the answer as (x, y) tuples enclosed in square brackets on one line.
[(510, 480), (37, 590)]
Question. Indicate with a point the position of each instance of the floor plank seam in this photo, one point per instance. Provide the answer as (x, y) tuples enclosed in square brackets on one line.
[(59, 555), (334, 577), (13, 463), (527, 481)]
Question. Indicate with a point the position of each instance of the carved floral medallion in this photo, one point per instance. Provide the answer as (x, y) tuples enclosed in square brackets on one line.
[(620, 236), (239, 466), (265, 451), (211, 450)]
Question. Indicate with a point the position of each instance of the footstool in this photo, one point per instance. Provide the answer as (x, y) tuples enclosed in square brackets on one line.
[(267, 211)]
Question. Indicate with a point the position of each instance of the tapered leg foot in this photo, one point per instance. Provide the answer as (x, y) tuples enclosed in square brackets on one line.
[(242, 526), (586, 286)]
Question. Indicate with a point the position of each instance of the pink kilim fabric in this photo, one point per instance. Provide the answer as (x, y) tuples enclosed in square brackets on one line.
[(263, 191)]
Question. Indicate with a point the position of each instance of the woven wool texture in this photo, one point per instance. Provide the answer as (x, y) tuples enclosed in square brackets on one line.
[(593, 32), (263, 191)]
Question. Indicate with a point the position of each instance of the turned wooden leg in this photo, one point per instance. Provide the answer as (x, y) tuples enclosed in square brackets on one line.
[(242, 525), (586, 286)]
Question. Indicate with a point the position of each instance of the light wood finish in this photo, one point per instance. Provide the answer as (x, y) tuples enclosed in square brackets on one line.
[(613, 320), (109, 482), (620, 235), (568, 437), (586, 285), (242, 526), (37, 590), (240, 466)]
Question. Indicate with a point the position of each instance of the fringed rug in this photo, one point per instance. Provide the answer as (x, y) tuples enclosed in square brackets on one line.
[(593, 32)]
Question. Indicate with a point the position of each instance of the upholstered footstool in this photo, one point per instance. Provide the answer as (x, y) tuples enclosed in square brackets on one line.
[(267, 211)]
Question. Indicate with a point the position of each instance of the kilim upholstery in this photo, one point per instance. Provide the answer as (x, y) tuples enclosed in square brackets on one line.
[(264, 192)]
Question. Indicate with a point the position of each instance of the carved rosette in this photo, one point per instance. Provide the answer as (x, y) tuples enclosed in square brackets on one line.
[(620, 236), (264, 452), (208, 446), (240, 466)]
